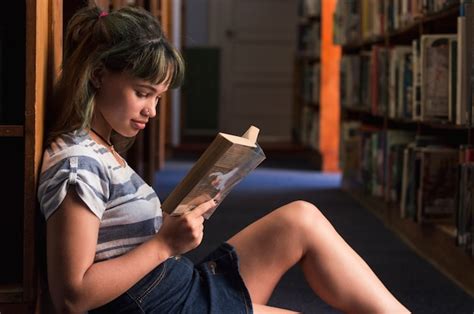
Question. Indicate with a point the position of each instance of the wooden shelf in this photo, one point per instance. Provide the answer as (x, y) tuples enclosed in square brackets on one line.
[(435, 243), (362, 115), (308, 20), (11, 293), (401, 123), (12, 131), (307, 57)]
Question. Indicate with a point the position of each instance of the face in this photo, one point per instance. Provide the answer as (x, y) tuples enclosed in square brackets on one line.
[(125, 104)]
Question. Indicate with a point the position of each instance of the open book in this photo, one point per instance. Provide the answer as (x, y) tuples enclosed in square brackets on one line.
[(225, 163)]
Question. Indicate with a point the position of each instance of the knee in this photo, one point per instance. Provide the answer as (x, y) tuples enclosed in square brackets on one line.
[(305, 215)]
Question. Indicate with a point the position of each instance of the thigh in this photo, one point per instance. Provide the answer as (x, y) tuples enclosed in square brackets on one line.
[(269, 247)]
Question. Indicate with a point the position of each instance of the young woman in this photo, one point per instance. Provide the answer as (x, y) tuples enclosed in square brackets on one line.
[(110, 249)]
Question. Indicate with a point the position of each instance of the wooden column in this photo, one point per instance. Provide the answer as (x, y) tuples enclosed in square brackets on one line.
[(329, 97)]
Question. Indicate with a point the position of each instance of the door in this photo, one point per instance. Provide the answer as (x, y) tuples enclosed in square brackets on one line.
[(258, 41)]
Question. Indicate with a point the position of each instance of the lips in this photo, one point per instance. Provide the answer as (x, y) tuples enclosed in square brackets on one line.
[(139, 124)]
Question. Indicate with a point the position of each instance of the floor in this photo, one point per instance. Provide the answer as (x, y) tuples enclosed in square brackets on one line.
[(416, 283)]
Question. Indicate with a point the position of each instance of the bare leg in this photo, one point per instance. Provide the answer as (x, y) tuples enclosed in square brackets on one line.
[(299, 233), (264, 309)]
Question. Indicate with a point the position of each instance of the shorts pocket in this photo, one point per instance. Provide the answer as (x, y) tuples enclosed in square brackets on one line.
[(150, 282)]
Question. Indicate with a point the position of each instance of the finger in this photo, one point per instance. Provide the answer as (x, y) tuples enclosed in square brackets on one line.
[(203, 208)]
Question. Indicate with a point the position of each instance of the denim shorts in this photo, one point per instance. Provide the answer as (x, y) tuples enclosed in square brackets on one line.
[(178, 286)]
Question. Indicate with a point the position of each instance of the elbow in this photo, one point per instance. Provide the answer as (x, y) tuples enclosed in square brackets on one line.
[(67, 302)]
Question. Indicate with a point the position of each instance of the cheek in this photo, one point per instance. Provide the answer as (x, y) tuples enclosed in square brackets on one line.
[(119, 104)]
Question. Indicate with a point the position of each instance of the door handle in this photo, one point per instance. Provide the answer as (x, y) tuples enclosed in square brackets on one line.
[(229, 33)]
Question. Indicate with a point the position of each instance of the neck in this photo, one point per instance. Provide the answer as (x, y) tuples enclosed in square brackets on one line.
[(101, 128), (101, 137)]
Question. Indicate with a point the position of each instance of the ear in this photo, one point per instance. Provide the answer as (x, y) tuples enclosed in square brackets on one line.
[(97, 76)]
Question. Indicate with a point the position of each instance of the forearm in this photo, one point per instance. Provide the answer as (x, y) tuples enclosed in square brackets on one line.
[(105, 281)]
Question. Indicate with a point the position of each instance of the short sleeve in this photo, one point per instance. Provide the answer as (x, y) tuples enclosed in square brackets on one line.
[(85, 173)]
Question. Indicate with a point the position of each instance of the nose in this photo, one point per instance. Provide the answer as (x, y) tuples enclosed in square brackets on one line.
[(149, 111)]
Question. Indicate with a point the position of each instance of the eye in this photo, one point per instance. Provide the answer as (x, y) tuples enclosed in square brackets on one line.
[(158, 99), (141, 95)]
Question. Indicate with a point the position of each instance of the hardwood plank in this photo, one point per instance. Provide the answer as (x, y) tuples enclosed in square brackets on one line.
[(11, 131)]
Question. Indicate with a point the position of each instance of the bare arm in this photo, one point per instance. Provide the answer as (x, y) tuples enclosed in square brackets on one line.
[(77, 283)]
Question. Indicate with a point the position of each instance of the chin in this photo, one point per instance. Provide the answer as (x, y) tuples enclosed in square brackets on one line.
[(128, 133)]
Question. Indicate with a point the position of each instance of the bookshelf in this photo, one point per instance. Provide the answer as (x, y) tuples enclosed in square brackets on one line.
[(307, 75), (388, 132), (30, 58)]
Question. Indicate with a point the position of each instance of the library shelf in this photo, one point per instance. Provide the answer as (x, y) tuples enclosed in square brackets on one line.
[(363, 115), (307, 57), (12, 131), (435, 243), (11, 293), (309, 19), (443, 21)]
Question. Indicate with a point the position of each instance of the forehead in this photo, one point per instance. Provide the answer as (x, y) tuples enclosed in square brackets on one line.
[(128, 79)]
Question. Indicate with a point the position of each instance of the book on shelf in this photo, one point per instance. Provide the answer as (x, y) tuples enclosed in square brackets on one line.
[(310, 127), (464, 199), (435, 68), (350, 153), (436, 194), (400, 81), (378, 79), (309, 8), (416, 88), (396, 141), (227, 160), (347, 22), (350, 81), (465, 68), (453, 80), (411, 175), (461, 74)]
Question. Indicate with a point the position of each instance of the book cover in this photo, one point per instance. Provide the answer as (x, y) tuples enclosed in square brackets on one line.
[(437, 189), (227, 160), (434, 76), (416, 99), (452, 80), (461, 74)]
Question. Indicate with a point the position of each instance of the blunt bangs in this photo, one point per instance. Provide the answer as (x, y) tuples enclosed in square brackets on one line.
[(157, 63)]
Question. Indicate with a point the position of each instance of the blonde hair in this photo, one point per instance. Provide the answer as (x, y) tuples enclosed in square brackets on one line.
[(129, 40)]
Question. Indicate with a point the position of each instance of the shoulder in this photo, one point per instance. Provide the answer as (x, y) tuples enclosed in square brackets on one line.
[(72, 152), (72, 144), (74, 159)]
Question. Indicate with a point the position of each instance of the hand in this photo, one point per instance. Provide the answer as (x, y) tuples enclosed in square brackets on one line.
[(182, 233)]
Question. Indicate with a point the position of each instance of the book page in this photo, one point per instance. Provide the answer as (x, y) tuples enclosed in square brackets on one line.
[(227, 172)]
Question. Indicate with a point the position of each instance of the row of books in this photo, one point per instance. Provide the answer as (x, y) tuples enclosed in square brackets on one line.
[(310, 79), (309, 131), (309, 42), (309, 100), (359, 20), (429, 182), (426, 81), (309, 51)]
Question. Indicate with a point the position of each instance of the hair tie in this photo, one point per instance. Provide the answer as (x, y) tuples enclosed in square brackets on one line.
[(103, 13)]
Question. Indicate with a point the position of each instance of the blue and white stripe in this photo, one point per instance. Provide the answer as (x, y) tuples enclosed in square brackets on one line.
[(128, 208)]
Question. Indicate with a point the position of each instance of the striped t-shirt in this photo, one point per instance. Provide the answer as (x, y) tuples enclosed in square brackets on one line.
[(128, 208)]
